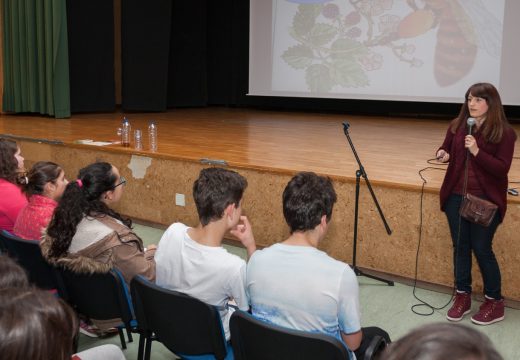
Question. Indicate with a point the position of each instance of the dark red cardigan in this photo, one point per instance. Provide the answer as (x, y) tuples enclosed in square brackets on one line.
[(491, 165)]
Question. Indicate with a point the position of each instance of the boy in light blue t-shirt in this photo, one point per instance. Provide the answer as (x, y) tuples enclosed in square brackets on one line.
[(295, 285)]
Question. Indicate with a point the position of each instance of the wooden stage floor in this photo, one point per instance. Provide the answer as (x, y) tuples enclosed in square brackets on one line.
[(268, 148), (392, 150)]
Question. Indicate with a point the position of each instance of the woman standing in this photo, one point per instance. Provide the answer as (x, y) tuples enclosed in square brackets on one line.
[(12, 200), (490, 146), (86, 235), (44, 185)]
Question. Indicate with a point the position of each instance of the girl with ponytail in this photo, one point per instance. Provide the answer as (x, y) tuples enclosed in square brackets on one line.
[(44, 185), (87, 236)]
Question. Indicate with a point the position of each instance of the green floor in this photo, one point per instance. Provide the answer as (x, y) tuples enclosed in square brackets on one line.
[(385, 306)]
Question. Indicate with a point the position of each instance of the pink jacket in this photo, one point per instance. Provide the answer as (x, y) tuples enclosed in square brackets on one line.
[(12, 200), (34, 217)]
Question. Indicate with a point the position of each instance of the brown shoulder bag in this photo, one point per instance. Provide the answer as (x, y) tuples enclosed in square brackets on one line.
[(477, 210)]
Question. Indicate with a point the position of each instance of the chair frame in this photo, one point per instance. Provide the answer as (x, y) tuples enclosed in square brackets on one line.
[(96, 306), (280, 341), (28, 255), (246, 346), (209, 337)]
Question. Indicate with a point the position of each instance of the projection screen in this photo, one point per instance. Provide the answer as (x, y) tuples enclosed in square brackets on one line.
[(405, 50)]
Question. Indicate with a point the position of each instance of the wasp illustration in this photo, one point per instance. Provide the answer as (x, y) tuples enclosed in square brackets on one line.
[(464, 27)]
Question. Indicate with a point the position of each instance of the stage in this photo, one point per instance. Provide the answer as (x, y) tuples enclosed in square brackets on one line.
[(268, 148)]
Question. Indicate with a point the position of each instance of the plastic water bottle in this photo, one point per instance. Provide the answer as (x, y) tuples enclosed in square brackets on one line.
[(126, 132), (138, 139), (152, 135)]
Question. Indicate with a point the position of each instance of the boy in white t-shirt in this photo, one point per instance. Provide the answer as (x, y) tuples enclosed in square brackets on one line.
[(295, 285), (193, 261)]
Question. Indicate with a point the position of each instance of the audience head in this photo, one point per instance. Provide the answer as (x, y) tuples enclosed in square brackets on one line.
[(12, 275), (11, 161), (98, 186), (215, 190), (306, 199), (35, 325), (45, 178), (442, 341)]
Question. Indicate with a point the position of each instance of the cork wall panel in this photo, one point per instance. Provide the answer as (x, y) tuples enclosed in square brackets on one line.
[(152, 185), (33, 152)]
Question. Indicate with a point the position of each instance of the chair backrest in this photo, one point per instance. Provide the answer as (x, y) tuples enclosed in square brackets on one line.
[(185, 325), (254, 339), (28, 254), (97, 296), (3, 245)]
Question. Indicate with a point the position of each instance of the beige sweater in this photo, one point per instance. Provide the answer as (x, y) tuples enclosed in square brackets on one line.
[(102, 243)]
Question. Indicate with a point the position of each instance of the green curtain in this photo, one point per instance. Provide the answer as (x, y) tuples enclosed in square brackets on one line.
[(36, 64)]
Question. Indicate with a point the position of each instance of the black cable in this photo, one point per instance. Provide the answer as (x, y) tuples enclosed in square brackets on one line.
[(432, 162), (423, 302), (515, 182)]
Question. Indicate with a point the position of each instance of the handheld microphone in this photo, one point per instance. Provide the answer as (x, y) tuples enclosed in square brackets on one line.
[(471, 121)]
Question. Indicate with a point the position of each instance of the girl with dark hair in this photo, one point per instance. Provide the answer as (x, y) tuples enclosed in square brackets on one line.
[(36, 325), (439, 341), (488, 152), (11, 198), (44, 185), (87, 236), (12, 274)]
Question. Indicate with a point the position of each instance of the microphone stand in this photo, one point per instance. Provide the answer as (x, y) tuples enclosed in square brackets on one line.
[(361, 173)]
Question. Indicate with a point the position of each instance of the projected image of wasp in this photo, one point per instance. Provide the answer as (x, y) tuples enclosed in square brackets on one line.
[(463, 28), (339, 43)]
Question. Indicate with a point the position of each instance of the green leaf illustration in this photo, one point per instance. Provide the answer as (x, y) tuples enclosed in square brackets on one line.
[(298, 56), (348, 73), (347, 49), (318, 78), (321, 34), (305, 18)]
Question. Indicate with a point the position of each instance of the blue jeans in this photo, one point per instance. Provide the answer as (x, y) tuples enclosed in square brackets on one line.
[(479, 239)]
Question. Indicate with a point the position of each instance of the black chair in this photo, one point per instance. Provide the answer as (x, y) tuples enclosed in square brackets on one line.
[(376, 347), (254, 339), (100, 297), (28, 254), (3, 246), (187, 326)]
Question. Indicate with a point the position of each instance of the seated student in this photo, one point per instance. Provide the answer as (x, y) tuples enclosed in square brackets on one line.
[(86, 235), (441, 341), (36, 325), (12, 200), (12, 275), (193, 261), (295, 285), (44, 185)]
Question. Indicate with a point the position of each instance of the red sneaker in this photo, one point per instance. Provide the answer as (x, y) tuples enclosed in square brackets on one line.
[(461, 306), (490, 312), (87, 329)]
